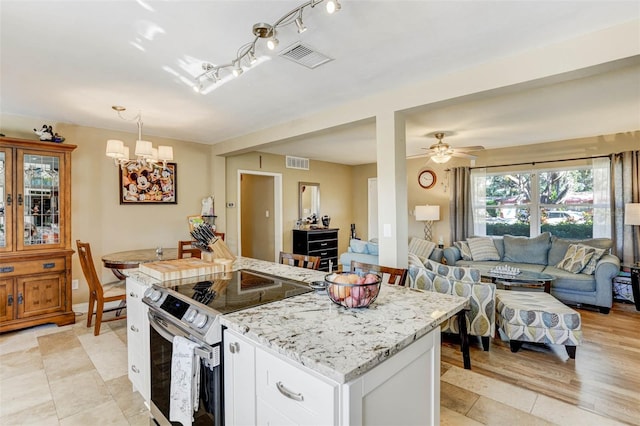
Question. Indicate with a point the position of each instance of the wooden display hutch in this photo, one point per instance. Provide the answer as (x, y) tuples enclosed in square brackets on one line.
[(35, 233)]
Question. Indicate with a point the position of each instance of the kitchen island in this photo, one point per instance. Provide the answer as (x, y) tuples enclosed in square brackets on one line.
[(305, 360)]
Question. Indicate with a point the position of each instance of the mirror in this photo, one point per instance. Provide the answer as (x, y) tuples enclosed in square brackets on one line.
[(308, 200)]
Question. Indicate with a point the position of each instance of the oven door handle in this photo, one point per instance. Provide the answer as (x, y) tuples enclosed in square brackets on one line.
[(211, 355)]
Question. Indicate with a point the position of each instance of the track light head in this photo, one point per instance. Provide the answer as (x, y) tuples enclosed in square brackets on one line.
[(272, 43), (333, 6), (237, 69), (301, 27), (252, 57), (263, 30)]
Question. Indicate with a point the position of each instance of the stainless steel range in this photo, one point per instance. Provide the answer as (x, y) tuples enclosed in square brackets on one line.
[(192, 308)]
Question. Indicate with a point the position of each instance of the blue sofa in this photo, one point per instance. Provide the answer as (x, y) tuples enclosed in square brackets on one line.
[(367, 252), (542, 254)]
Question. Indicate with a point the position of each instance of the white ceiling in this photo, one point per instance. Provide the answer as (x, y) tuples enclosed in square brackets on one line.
[(70, 61)]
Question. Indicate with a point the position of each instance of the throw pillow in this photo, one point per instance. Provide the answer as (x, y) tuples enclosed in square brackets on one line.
[(358, 246), (372, 248), (526, 249), (482, 248), (576, 258), (464, 249), (559, 247), (591, 266), (421, 248), (415, 261)]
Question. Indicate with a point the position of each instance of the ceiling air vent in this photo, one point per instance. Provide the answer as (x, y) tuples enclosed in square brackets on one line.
[(297, 163), (304, 55)]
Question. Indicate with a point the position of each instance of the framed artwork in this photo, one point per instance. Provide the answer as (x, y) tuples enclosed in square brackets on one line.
[(148, 184), (194, 221)]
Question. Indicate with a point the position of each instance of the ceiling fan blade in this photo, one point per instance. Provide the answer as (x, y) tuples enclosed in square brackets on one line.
[(470, 148), (463, 155)]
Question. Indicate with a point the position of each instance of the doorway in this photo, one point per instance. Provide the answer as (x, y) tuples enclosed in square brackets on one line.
[(260, 215), (372, 217)]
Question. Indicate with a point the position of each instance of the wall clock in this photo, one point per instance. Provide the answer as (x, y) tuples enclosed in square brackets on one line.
[(427, 179)]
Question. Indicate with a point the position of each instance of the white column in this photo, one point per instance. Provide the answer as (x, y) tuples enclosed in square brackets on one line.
[(392, 189)]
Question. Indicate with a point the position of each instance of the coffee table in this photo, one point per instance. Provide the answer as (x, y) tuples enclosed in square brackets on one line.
[(526, 279)]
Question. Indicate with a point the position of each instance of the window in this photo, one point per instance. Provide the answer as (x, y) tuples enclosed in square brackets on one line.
[(568, 202)]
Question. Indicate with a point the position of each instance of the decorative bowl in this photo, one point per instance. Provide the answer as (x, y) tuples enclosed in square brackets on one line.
[(353, 290)]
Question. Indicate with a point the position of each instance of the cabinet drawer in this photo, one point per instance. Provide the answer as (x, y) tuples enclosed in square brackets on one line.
[(323, 245), (324, 263), (10, 269), (304, 397), (318, 236), (325, 254)]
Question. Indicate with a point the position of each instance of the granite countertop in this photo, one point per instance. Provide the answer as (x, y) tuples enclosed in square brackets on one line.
[(337, 342), (342, 343)]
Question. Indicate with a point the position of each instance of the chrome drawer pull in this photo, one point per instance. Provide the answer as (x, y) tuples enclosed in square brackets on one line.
[(6, 269), (134, 328), (134, 369), (286, 392), (234, 347), (48, 265)]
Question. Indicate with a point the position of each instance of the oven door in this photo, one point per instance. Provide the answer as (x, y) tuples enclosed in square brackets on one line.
[(161, 333)]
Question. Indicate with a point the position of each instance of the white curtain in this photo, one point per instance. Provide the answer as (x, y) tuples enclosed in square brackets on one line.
[(479, 201), (601, 198)]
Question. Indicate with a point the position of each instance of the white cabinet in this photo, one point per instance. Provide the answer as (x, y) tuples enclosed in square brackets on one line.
[(264, 388), (138, 339), (239, 380)]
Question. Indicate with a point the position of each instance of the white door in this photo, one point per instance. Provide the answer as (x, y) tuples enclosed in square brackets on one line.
[(372, 230)]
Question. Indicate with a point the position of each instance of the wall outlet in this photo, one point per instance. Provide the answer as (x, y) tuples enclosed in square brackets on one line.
[(74, 284), (231, 205)]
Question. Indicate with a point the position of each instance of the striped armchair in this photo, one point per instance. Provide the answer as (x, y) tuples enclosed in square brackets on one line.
[(434, 276)]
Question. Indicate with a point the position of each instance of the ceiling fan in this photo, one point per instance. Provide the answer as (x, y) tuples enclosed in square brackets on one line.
[(441, 152)]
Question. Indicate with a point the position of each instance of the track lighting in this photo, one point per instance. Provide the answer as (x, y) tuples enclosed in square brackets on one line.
[(333, 6), (262, 30), (237, 69), (272, 43), (301, 27)]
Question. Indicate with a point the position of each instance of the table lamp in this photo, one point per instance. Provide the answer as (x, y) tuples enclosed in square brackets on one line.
[(427, 214), (632, 217)]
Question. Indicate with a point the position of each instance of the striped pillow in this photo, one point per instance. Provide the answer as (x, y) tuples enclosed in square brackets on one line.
[(483, 249), (421, 248), (464, 250), (593, 262)]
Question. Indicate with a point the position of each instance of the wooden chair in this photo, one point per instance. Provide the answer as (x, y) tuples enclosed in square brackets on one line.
[(300, 260), (100, 293), (187, 249), (395, 274)]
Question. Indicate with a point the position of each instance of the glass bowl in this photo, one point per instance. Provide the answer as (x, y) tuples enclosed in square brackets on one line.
[(353, 290)]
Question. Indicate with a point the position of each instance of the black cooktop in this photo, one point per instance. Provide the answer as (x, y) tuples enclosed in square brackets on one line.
[(234, 291)]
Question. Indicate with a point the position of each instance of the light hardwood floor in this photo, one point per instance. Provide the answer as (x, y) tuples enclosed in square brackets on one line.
[(603, 379)]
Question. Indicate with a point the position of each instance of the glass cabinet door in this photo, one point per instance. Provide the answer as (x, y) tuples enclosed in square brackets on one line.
[(40, 200), (6, 200)]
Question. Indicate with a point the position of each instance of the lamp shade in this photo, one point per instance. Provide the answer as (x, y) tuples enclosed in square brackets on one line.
[(441, 158), (144, 148), (115, 148), (632, 214), (165, 153), (427, 213)]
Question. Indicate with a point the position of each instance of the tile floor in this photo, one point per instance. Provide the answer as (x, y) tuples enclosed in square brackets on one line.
[(67, 376)]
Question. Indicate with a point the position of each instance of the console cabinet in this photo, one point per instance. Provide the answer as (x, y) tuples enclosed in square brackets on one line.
[(318, 242), (35, 233)]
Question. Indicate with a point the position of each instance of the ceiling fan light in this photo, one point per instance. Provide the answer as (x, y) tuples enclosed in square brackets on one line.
[(441, 158)]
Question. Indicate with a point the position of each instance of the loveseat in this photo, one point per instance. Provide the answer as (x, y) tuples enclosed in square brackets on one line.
[(583, 269), (367, 252)]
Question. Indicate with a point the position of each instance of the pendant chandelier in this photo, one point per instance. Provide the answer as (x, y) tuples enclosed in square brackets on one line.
[(146, 154)]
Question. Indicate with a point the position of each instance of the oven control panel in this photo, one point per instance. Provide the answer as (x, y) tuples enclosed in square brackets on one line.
[(201, 321)]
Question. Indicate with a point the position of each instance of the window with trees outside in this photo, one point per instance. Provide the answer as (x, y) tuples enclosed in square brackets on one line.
[(571, 203)]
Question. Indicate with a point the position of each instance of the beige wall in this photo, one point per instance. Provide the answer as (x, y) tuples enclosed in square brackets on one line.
[(97, 216), (335, 193)]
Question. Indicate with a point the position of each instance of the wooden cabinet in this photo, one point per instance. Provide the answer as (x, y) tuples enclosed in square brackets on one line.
[(35, 233), (138, 339), (318, 242)]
